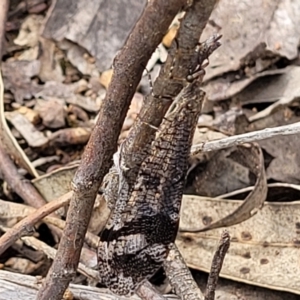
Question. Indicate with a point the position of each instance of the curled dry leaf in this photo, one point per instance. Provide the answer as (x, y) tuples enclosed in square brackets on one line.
[(264, 249), (79, 57), (249, 155), (28, 37), (31, 115), (224, 88), (29, 31), (285, 90)]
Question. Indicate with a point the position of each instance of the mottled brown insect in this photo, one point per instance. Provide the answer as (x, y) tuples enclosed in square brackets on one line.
[(136, 239)]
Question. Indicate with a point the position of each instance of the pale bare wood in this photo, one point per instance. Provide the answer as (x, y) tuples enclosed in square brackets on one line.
[(18, 286), (249, 137)]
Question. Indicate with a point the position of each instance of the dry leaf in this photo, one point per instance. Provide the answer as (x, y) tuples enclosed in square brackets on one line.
[(50, 66), (56, 183), (70, 93), (19, 286), (92, 21), (264, 249), (31, 115), (17, 78), (224, 87), (9, 142), (253, 22), (251, 157), (52, 112), (33, 137), (79, 58)]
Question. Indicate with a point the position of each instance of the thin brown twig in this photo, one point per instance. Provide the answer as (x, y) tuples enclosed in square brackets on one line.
[(216, 266), (172, 78), (26, 226), (181, 61), (21, 186), (9, 171), (23, 211), (96, 159)]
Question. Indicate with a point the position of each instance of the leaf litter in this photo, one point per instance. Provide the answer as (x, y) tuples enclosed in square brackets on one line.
[(54, 67)]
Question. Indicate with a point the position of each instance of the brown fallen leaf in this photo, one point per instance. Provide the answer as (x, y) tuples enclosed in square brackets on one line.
[(251, 157), (29, 31), (109, 22), (79, 57), (20, 286), (70, 93), (22, 265), (253, 22), (233, 290), (17, 78), (224, 87), (285, 90), (78, 112), (50, 68), (31, 115), (57, 183), (28, 37), (52, 112), (33, 137)]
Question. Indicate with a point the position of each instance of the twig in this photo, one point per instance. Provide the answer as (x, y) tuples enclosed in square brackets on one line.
[(96, 159), (180, 276), (51, 252), (172, 78), (26, 226), (146, 291), (246, 138), (16, 210), (8, 169), (16, 181), (216, 266)]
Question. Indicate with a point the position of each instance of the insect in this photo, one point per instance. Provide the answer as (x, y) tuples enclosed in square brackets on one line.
[(136, 239)]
